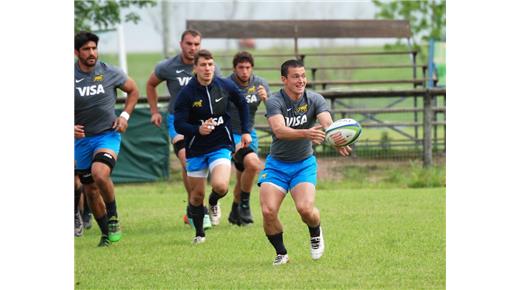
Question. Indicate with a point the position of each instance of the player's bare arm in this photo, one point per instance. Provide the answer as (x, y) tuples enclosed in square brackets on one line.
[(129, 87), (151, 95), (281, 131), (79, 132), (325, 119)]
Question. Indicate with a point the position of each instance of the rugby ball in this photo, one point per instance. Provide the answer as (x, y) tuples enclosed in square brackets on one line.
[(343, 132)]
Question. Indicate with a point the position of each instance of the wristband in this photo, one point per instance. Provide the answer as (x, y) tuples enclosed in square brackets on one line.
[(124, 115)]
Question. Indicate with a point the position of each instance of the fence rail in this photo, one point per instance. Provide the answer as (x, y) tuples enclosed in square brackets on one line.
[(425, 145)]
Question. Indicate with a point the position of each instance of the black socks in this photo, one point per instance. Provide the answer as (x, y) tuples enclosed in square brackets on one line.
[(244, 199), (111, 209), (277, 242), (77, 195), (214, 197), (314, 231), (197, 215), (103, 224)]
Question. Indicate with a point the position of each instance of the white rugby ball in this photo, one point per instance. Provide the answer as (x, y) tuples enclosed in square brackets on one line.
[(343, 132)]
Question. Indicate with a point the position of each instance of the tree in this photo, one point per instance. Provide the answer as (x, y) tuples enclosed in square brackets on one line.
[(427, 17), (104, 14)]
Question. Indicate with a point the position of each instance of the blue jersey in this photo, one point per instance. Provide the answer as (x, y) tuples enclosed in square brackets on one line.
[(196, 103)]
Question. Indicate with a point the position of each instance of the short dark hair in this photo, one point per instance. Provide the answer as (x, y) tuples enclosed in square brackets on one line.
[(192, 32), (83, 37), (243, 56), (290, 63), (203, 53)]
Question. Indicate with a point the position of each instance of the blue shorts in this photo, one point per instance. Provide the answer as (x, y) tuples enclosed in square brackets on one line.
[(254, 142), (171, 127), (198, 166), (84, 148), (286, 175)]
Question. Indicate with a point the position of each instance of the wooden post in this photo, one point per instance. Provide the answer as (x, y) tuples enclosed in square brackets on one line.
[(427, 129), (165, 17), (296, 41)]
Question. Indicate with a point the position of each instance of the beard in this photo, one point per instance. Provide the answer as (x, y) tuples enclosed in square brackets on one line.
[(90, 61)]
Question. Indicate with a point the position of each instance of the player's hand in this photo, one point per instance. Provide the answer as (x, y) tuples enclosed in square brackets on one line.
[(156, 119), (246, 140), (120, 124), (207, 127), (339, 139), (344, 151), (79, 132), (262, 93), (315, 134)]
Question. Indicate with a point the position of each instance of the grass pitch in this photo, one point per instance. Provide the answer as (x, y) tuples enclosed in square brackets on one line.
[(375, 238)]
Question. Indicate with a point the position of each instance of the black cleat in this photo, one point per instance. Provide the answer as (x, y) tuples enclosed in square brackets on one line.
[(104, 242), (87, 221), (233, 217), (244, 213), (78, 224)]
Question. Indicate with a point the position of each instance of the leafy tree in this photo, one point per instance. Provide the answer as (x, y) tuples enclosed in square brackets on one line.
[(427, 17), (105, 14)]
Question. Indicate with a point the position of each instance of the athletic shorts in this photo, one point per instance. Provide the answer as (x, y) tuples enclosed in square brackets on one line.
[(286, 175), (171, 127), (84, 148), (198, 166), (254, 142)]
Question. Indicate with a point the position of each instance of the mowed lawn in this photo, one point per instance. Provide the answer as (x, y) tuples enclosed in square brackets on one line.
[(375, 239)]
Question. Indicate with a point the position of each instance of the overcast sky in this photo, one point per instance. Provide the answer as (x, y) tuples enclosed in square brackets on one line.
[(145, 36)]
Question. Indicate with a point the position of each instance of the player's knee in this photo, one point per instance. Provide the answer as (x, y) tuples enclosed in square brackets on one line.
[(106, 159), (305, 210), (196, 197), (196, 200), (100, 176), (178, 146), (269, 213), (220, 187), (239, 157)]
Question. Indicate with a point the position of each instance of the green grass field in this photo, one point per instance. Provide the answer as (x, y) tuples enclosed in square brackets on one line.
[(379, 235)]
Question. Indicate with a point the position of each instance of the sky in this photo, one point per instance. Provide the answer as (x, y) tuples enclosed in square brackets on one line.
[(146, 36)]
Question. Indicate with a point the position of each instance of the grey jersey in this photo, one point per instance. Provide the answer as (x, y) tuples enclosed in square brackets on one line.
[(253, 101), (299, 114), (176, 74), (95, 97)]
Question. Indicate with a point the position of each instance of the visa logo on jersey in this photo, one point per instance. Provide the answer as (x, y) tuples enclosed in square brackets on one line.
[(251, 99), (218, 121), (183, 81), (91, 90), (295, 121)]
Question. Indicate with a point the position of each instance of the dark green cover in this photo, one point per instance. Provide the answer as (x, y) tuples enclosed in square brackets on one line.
[(145, 150)]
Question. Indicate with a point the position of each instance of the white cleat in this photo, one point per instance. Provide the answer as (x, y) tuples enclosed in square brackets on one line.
[(199, 240), (317, 246), (214, 214), (281, 259)]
